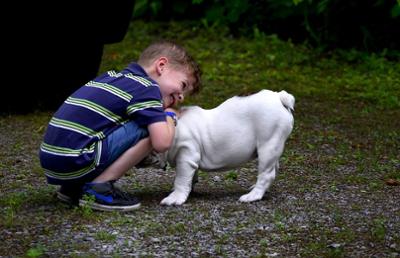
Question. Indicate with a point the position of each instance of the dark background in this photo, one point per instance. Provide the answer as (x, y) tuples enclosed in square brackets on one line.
[(51, 49), (55, 47)]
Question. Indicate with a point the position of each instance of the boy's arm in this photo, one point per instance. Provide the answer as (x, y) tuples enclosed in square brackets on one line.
[(162, 134)]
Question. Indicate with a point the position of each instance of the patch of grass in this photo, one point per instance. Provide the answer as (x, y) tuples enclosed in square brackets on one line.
[(86, 209), (36, 251), (346, 235), (378, 229), (12, 204), (231, 176), (203, 175), (279, 221), (153, 227), (357, 179), (390, 169), (177, 228), (15, 202), (121, 219), (103, 235)]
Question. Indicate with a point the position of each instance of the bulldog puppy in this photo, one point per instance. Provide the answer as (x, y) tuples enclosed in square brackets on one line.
[(226, 137)]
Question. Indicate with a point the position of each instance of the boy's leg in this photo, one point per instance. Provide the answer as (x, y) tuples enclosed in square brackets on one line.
[(70, 193), (126, 147), (126, 161)]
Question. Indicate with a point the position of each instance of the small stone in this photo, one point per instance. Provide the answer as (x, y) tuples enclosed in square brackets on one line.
[(217, 179), (334, 245)]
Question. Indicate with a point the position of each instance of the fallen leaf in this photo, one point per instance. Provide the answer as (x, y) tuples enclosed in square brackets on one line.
[(392, 182)]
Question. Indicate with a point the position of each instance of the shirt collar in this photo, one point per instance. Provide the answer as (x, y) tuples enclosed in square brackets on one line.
[(136, 69)]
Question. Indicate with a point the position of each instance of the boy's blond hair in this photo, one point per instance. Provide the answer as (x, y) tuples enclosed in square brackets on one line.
[(177, 56)]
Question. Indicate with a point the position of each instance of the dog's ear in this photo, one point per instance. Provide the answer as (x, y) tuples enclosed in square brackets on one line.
[(162, 160), (144, 163), (154, 159)]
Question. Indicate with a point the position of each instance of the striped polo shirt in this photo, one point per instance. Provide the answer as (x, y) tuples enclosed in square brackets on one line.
[(72, 147)]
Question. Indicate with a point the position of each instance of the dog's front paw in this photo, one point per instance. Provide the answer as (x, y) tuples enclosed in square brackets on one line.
[(175, 198), (251, 197)]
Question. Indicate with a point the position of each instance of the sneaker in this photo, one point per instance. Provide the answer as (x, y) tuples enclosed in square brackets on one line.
[(70, 194), (108, 198)]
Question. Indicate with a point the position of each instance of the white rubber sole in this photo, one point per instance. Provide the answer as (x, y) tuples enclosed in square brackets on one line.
[(64, 198), (101, 207)]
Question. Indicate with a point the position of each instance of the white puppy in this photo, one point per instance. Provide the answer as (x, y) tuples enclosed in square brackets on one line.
[(238, 130)]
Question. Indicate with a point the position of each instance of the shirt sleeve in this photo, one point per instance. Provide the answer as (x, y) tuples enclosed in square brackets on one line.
[(146, 106)]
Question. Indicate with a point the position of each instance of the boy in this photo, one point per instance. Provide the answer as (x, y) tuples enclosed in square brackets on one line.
[(113, 122)]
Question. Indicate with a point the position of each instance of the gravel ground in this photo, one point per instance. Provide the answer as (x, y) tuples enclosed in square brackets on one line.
[(332, 198)]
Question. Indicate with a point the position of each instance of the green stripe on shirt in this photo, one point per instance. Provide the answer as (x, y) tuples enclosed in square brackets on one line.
[(95, 108), (144, 105), (68, 125), (79, 173), (63, 151), (139, 79), (111, 89)]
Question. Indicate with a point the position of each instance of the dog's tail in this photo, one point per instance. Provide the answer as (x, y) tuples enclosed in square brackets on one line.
[(287, 100)]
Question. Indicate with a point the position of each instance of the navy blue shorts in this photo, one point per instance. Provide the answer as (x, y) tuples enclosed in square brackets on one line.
[(120, 141), (117, 142)]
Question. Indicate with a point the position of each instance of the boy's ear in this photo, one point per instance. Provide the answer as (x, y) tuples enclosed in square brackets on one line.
[(161, 63)]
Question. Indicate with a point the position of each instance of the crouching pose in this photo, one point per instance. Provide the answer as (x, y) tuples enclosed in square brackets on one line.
[(238, 130), (112, 122)]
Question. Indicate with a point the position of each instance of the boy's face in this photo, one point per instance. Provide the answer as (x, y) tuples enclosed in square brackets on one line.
[(174, 84)]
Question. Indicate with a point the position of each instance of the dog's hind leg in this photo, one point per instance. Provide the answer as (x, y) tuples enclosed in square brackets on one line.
[(268, 163)]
